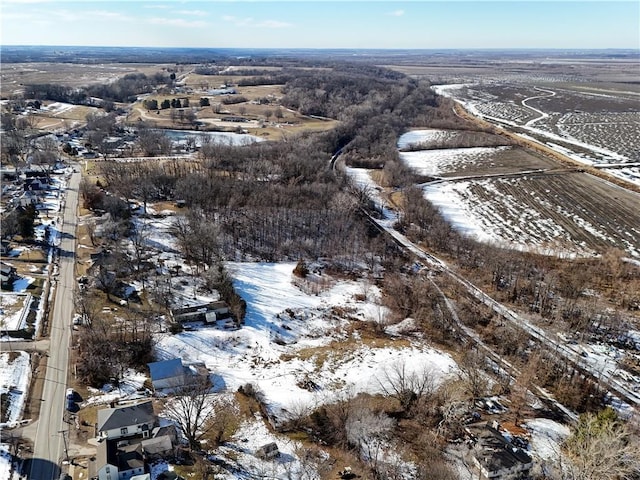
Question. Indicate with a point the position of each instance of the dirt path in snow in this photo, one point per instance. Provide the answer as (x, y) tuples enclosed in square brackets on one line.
[(549, 93)]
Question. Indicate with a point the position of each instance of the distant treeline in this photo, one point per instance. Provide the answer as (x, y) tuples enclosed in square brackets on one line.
[(125, 89)]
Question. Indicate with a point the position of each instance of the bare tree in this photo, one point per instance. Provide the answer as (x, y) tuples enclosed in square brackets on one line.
[(45, 153), (521, 388), (192, 408), (154, 142), (472, 374), (313, 463), (90, 225), (106, 280), (369, 433), (408, 386), (86, 306), (139, 242), (224, 422)]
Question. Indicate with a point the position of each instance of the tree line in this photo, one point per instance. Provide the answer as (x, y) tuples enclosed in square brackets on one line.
[(125, 89)]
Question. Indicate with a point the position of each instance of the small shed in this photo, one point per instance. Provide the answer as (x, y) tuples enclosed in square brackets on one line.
[(268, 451)]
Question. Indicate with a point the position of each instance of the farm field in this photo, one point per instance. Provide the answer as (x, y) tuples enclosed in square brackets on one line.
[(566, 212), (14, 76), (583, 106), (608, 120), (516, 198), (471, 161)]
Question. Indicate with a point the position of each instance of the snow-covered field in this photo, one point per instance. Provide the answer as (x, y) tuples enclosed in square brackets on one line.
[(15, 373), (426, 137), (514, 224), (436, 162)]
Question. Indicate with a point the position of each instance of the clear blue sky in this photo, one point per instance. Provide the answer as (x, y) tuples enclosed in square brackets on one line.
[(323, 24)]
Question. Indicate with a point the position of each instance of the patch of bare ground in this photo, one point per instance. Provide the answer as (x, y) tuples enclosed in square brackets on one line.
[(343, 350), (34, 399)]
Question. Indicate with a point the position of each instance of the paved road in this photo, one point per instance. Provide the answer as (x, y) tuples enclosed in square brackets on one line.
[(48, 451)]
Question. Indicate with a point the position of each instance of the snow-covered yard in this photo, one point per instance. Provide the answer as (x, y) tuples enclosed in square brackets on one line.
[(15, 373), (13, 310), (294, 346)]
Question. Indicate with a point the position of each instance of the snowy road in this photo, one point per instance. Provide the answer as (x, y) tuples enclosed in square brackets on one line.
[(549, 93)]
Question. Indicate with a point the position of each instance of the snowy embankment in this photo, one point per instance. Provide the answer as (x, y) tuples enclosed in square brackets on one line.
[(294, 346)]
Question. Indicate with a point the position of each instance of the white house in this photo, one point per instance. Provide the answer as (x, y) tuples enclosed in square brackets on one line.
[(119, 462), (125, 421)]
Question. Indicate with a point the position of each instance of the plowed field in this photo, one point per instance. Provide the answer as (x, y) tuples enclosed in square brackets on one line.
[(559, 212)]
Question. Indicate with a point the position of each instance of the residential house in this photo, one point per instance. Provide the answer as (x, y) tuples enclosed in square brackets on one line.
[(5, 248), (35, 183), (128, 437), (26, 199), (119, 462), (168, 374), (124, 421), (268, 451), (496, 457)]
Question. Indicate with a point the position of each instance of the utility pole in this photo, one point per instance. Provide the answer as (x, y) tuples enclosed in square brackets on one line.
[(64, 439)]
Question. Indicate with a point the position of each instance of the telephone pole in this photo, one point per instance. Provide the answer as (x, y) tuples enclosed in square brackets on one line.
[(64, 439)]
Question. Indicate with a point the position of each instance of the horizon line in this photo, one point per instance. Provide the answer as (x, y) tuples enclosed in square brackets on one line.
[(324, 48)]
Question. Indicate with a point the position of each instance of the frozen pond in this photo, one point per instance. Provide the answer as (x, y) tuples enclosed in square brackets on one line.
[(229, 138)]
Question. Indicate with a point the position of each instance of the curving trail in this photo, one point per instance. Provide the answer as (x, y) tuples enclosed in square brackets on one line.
[(549, 93)]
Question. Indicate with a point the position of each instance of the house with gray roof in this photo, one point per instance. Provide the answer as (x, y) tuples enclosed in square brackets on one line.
[(168, 374), (497, 458), (119, 462), (125, 421), (128, 437)]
